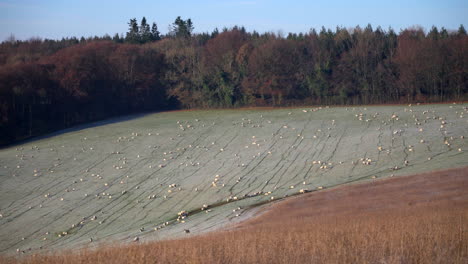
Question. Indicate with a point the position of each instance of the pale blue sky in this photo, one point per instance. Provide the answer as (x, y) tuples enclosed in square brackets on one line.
[(57, 19)]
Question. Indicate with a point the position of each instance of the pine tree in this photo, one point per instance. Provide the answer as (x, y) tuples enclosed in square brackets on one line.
[(145, 32), (182, 28), (443, 33), (117, 38), (189, 27), (434, 33), (133, 35), (178, 27), (461, 31), (243, 30), (215, 33), (155, 35)]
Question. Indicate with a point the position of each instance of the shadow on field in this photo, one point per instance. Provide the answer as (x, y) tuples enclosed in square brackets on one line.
[(76, 128)]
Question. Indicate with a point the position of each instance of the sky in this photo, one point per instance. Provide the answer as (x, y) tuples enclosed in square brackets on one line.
[(55, 19)]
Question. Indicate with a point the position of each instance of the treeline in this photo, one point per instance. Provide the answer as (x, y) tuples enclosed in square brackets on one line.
[(46, 84)]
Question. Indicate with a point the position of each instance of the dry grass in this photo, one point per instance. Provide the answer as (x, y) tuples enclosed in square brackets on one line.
[(415, 219)]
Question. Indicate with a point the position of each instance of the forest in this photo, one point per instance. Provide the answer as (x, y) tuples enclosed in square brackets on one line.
[(46, 85)]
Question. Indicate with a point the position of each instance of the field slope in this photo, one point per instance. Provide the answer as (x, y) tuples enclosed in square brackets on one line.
[(131, 179), (414, 219)]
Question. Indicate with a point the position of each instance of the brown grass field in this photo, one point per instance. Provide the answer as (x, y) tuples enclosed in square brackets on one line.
[(412, 219)]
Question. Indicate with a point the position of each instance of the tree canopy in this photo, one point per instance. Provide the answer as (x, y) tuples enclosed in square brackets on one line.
[(140, 34), (182, 28), (51, 84)]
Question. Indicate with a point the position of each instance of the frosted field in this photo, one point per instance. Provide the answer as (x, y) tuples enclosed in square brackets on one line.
[(130, 179)]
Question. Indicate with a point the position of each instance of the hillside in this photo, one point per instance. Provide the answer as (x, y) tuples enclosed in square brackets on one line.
[(116, 182), (412, 219)]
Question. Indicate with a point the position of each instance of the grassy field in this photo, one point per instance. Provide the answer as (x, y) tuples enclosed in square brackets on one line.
[(127, 180), (414, 219)]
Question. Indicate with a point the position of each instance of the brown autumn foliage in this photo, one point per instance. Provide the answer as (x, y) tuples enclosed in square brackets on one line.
[(275, 70), (414, 219), (97, 78)]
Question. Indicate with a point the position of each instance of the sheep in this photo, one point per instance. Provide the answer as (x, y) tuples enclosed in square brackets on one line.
[(182, 213)]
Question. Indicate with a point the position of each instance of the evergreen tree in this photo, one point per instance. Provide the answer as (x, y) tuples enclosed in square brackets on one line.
[(300, 36), (145, 32), (133, 35), (392, 41), (313, 32), (74, 40), (461, 31), (255, 35), (368, 29), (215, 33), (434, 33), (117, 38), (242, 30), (291, 36), (155, 35), (443, 33), (189, 26), (182, 28), (179, 27)]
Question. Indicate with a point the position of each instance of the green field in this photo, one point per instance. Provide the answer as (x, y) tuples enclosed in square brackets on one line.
[(123, 180)]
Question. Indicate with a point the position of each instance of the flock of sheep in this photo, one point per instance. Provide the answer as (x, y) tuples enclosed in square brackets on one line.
[(171, 174)]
